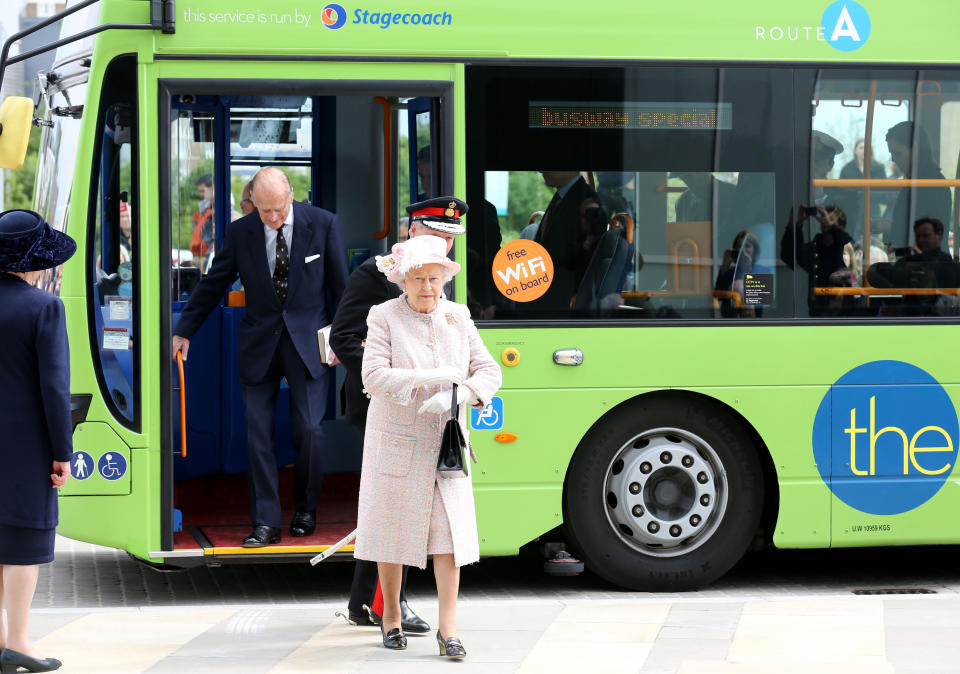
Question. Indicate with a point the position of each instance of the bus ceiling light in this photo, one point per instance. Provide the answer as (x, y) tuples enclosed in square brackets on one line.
[(568, 357), (16, 117)]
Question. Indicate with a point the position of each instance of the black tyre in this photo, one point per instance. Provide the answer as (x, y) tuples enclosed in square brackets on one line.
[(665, 493)]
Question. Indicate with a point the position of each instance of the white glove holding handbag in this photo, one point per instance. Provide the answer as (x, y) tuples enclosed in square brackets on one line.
[(439, 403), (437, 375)]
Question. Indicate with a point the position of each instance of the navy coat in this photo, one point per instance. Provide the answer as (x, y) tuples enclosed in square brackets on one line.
[(313, 292), (366, 287), (34, 402)]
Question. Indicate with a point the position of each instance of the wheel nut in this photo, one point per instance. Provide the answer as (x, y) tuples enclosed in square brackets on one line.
[(694, 520), (675, 530), (702, 477), (666, 457), (634, 487), (653, 527), (687, 461), (638, 511), (705, 500), (645, 467)]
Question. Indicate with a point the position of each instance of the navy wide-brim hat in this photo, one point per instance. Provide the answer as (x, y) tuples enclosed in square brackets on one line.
[(27, 243)]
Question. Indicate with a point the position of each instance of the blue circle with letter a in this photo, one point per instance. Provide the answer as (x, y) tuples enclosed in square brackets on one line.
[(846, 25), (885, 437)]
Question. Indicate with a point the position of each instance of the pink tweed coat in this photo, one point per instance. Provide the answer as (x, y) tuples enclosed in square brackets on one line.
[(401, 447)]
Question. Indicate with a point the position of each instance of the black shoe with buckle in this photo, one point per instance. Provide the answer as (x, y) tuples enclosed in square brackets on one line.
[(394, 639), (411, 622), (262, 535), (303, 524), (451, 647)]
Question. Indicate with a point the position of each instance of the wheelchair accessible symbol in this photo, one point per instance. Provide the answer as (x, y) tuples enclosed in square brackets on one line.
[(490, 418), (112, 466)]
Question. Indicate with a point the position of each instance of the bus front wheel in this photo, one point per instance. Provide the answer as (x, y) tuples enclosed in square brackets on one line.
[(665, 493)]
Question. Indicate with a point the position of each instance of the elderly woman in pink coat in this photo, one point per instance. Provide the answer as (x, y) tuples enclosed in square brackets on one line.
[(418, 346)]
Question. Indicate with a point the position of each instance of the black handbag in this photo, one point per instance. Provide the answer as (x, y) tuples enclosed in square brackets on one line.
[(452, 444)]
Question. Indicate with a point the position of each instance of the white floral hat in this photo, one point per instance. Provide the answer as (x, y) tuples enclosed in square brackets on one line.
[(415, 252)]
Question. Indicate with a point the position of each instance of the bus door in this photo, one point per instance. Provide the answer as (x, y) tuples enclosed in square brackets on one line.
[(360, 152)]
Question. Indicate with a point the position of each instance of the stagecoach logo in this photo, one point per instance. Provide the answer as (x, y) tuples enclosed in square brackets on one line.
[(885, 437), (333, 16), (845, 25)]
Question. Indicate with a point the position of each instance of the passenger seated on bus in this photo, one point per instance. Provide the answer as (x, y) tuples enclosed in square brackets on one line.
[(202, 240), (561, 233), (853, 259), (738, 260), (928, 233), (906, 141)]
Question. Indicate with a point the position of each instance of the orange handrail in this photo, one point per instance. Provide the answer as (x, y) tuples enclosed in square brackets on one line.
[(183, 407), (718, 294), (873, 290), (387, 162), (886, 183)]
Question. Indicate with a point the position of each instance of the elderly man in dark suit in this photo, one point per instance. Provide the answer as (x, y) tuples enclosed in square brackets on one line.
[(560, 232), (292, 263), (366, 287)]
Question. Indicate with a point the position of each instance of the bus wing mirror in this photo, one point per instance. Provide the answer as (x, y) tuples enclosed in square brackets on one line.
[(16, 119)]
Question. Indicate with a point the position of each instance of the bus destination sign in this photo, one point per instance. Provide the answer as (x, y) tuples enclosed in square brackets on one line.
[(674, 115)]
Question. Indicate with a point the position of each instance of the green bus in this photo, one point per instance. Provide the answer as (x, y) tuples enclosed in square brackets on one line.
[(714, 247)]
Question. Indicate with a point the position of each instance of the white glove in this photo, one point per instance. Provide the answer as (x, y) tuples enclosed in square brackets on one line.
[(439, 403), (438, 375)]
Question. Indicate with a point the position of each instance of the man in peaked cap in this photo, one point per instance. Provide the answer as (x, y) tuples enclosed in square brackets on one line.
[(366, 287)]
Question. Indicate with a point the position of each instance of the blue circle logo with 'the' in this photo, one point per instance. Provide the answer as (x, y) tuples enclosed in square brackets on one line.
[(885, 437), (846, 25)]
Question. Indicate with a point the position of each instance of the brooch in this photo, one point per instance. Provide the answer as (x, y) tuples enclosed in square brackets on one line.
[(386, 263), (451, 319)]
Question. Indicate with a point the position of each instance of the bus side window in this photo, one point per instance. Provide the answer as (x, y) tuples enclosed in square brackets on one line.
[(113, 244)]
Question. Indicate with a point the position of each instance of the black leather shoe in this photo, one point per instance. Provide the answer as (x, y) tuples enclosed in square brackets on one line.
[(394, 639), (262, 535), (451, 647), (303, 524), (411, 622), (11, 660), (361, 619)]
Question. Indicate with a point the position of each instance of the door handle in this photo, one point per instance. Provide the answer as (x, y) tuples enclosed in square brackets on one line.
[(183, 406), (568, 356)]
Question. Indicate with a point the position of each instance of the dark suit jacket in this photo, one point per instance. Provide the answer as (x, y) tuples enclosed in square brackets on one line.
[(314, 289), (34, 402), (366, 287), (564, 241)]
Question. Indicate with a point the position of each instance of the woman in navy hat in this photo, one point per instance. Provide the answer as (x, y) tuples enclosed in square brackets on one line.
[(35, 415)]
